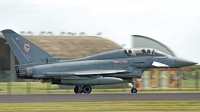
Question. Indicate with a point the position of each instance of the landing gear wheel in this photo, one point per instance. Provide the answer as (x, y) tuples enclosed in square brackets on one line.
[(77, 89), (134, 90), (87, 89)]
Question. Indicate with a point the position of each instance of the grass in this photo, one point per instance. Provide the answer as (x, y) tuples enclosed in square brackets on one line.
[(187, 106), (40, 88), (35, 88), (190, 83)]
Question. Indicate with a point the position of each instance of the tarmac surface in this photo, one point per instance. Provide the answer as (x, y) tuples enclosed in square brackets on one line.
[(98, 97)]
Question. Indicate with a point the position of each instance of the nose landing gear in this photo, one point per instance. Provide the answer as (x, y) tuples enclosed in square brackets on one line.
[(134, 90)]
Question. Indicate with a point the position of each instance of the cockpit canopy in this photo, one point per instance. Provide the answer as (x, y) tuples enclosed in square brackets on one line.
[(143, 52)]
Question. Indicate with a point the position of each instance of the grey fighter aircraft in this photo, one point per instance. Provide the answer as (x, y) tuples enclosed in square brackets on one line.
[(105, 68)]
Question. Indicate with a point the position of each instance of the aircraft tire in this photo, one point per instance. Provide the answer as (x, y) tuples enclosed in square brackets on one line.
[(76, 89), (134, 90), (87, 89)]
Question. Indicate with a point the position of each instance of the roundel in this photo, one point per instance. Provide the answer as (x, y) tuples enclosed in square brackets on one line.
[(26, 47)]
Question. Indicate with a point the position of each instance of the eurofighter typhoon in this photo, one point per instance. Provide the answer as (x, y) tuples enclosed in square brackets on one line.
[(110, 67)]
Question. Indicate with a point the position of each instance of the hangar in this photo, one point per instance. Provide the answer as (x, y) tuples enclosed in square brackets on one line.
[(143, 41), (67, 47)]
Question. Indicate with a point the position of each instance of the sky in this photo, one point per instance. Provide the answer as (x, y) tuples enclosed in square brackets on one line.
[(176, 23)]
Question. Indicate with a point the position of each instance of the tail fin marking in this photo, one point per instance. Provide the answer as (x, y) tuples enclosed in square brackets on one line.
[(24, 50), (20, 50)]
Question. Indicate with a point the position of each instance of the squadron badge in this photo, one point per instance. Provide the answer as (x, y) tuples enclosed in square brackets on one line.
[(26, 47)]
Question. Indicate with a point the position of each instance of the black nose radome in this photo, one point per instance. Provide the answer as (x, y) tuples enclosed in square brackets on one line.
[(179, 62)]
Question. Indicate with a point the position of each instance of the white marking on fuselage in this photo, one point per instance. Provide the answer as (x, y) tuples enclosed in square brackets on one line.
[(158, 64), (17, 38)]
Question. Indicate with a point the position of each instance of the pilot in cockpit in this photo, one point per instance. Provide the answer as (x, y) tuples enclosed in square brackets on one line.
[(143, 52)]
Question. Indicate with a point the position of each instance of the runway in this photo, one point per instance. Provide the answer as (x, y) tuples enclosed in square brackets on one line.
[(98, 97)]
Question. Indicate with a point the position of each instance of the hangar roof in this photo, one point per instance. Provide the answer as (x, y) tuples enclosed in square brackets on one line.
[(143, 41), (70, 47)]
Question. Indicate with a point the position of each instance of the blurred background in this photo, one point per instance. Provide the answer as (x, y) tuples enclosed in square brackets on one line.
[(74, 29)]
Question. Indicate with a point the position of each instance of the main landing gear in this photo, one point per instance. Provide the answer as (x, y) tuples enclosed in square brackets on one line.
[(82, 89)]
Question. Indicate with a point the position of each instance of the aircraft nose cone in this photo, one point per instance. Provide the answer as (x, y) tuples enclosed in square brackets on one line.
[(179, 62)]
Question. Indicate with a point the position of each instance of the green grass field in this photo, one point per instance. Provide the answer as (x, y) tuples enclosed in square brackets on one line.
[(172, 106), (40, 88), (189, 83)]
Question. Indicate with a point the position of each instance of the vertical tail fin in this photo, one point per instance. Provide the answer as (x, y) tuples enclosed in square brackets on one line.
[(24, 50)]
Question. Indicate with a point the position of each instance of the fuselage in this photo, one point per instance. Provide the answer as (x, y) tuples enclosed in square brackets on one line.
[(135, 61)]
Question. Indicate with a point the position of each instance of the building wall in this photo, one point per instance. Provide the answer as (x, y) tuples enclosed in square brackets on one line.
[(4, 55)]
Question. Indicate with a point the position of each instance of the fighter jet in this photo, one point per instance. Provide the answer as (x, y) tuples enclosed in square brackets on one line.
[(117, 66)]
